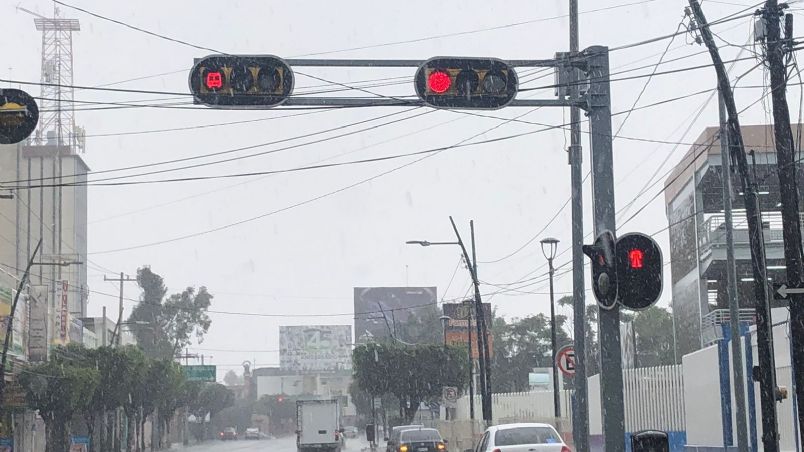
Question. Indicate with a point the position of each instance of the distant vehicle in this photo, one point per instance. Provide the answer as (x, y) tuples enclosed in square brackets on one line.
[(228, 433), (253, 433), (528, 437), (421, 440), (318, 426), (392, 440), (350, 432)]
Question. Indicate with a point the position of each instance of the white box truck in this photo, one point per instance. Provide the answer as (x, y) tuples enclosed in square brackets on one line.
[(318, 426)]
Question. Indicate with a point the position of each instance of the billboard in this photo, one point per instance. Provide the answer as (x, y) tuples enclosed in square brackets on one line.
[(62, 318), (315, 348), (17, 344), (378, 310), (460, 315), (37, 326)]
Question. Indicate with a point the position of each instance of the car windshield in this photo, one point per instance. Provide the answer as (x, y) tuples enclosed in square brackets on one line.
[(463, 214), (420, 435), (525, 435)]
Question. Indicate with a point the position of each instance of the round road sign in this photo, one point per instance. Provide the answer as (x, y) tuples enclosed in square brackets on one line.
[(565, 360), (18, 115)]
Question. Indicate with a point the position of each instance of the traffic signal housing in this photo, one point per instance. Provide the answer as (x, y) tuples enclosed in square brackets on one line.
[(639, 271), (466, 83), (604, 269), (241, 81)]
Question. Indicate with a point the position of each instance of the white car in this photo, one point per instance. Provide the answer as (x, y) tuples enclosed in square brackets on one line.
[(523, 437)]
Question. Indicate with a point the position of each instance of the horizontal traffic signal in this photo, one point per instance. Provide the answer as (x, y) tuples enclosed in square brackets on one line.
[(241, 81), (466, 83)]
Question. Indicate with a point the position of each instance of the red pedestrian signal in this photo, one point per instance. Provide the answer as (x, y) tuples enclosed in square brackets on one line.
[(635, 257), (466, 83), (241, 81), (639, 271)]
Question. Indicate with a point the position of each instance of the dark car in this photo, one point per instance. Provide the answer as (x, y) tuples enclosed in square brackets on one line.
[(228, 433), (392, 440), (421, 440)]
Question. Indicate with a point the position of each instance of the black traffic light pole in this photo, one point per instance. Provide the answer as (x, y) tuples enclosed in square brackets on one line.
[(594, 61)]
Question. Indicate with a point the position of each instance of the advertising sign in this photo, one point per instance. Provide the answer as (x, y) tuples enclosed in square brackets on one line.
[(37, 326), (17, 345), (76, 330), (379, 310), (315, 347), (461, 318), (62, 297)]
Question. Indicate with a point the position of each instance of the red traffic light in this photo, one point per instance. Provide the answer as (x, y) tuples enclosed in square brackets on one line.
[(635, 257), (466, 83), (214, 80), (240, 81), (439, 82)]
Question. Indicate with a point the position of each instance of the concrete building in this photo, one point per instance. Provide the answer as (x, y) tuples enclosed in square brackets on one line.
[(102, 330), (58, 216), (694, 206)]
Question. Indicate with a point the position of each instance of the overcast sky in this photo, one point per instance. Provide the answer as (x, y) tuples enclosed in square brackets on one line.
[(306, 260)]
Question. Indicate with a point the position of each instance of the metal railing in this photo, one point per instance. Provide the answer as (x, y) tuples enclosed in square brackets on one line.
[(713, 231), (712, 323)]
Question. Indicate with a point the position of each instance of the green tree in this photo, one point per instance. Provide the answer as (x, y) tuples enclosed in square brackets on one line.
[(212, 399), (164, 326), (654, 337), (232, 378), (58, 390), (413, 374), (521, 345)]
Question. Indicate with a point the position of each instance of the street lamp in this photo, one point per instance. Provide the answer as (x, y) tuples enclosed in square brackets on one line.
[(482, 328), (549, 248), (444, 321)]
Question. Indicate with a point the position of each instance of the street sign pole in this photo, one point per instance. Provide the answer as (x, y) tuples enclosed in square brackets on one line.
[(599, 111)]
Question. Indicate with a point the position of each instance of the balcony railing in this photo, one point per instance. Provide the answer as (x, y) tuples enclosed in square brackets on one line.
[(713, 231), (712, 323)]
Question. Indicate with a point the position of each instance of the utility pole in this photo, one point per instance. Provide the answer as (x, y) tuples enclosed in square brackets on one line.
[(471, 366), (10, 325), (481, 320), (731, 286), (788, 189), (118, 327), (580, 415), (481, 347), (550, 253), (767, 365)]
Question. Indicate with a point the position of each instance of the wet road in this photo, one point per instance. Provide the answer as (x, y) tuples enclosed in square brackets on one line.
[(274, 445)]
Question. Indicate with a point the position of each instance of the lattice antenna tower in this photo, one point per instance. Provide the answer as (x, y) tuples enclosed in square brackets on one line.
[(57, 111)]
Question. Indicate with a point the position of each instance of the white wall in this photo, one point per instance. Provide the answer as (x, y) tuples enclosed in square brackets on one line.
[(702, 398)]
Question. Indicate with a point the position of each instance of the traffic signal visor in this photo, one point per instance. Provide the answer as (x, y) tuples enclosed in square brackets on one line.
[(466, 83), (241, 81)]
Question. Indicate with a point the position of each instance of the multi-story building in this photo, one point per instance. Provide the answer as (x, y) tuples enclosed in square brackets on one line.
[(694, 203), (49, 204)]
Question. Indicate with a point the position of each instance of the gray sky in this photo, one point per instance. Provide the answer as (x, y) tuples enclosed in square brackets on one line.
[(307, 259)]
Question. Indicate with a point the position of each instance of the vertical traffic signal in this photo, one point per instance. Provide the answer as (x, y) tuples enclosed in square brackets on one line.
[(466, 83), (604, 269), (241, 81), (639, 271)]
